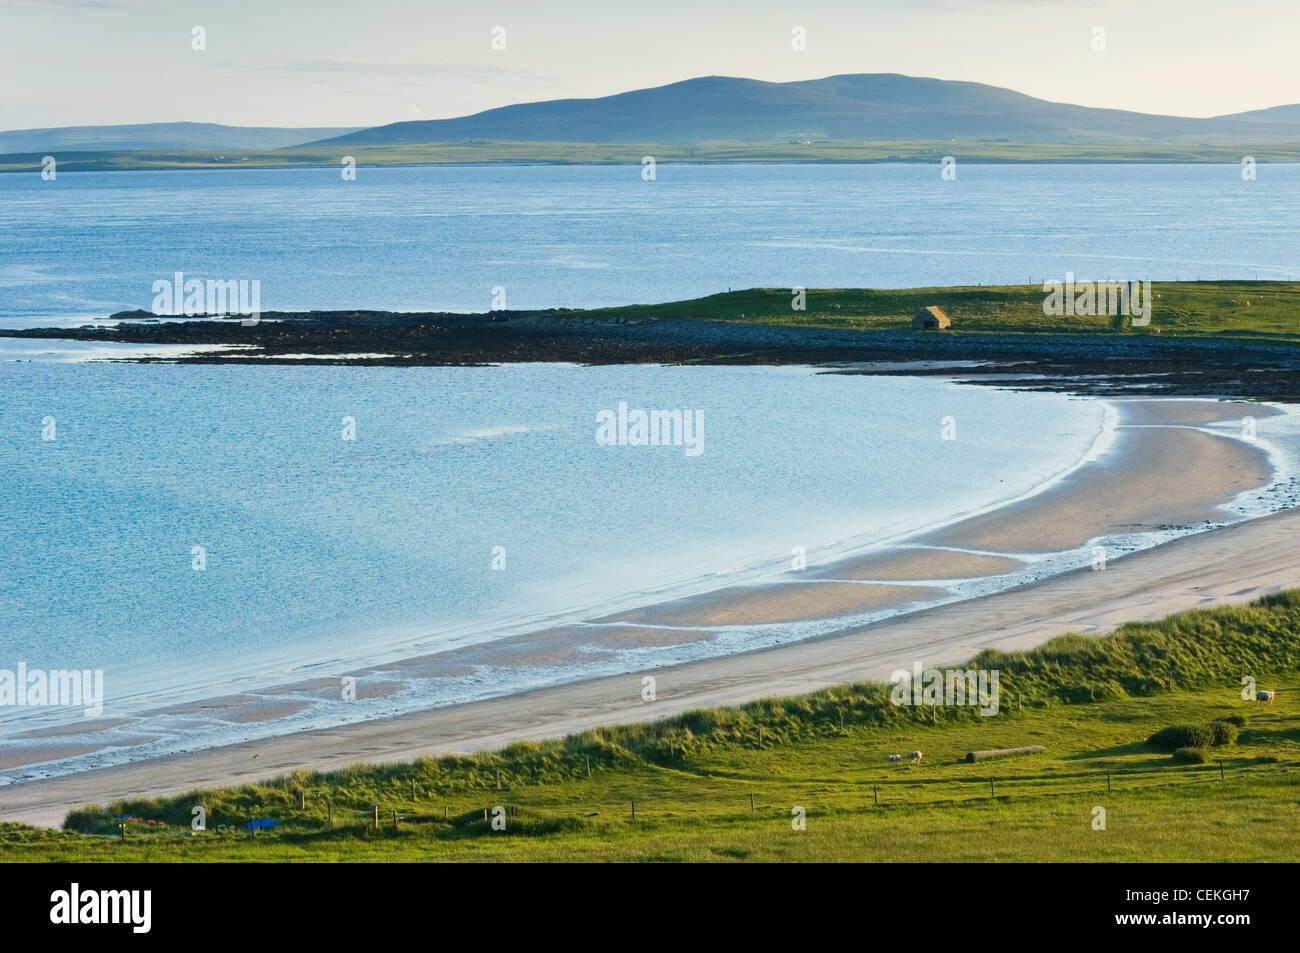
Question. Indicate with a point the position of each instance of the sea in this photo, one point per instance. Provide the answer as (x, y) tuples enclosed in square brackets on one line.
[(196, 530)]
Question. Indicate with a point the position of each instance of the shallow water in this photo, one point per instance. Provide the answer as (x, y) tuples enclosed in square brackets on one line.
[(315, 546)]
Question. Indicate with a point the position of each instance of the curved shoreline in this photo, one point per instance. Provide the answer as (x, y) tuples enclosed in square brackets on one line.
[(296, 694), (377, 647), (695, 681), (1198, 571)]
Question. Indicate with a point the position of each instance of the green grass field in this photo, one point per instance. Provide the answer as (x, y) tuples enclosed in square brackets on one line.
[(570, 153), (1256, 310), (1090, 702)]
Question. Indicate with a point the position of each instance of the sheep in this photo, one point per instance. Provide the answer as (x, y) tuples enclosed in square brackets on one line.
[(1264, 696), (915, 757), (895, 759)]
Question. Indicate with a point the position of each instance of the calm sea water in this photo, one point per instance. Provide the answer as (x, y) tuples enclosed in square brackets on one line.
[(317, 547), (432, 238), (197, 530)]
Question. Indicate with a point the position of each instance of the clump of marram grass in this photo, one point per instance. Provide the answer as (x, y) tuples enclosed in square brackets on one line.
[(1213, 734), (1181, 737), (1224, 732), (84, 820), (1239, 721), (1191, 755)]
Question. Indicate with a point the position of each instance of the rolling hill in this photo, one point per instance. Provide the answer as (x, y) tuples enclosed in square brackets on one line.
[(860, 107), (160, 135)]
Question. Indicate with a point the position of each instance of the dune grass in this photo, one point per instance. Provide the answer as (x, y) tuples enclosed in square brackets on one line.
[(1091, 702)]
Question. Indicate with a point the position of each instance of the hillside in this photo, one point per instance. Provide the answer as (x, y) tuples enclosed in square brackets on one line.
[(159, 135), (861, 107)]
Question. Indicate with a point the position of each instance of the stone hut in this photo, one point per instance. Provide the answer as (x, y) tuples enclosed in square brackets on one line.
[(931, 319)]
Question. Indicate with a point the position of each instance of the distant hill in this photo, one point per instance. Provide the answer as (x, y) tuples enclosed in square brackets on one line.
[(161, 135), (1277, 114), (861, 107)]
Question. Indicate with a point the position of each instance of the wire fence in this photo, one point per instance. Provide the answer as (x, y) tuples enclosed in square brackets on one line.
[(736, 797)]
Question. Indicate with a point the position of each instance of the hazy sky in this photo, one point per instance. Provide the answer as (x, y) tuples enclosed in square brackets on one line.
[(365, 62)]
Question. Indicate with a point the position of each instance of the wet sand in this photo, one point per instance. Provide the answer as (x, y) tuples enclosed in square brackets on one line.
[(775, 603), (1160, 478)]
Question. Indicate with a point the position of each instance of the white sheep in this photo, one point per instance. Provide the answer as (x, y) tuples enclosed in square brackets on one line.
[(915, 757), (1264, 696), (895, 759)]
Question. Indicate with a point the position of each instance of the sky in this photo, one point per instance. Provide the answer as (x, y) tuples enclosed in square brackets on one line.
[(369, 62)]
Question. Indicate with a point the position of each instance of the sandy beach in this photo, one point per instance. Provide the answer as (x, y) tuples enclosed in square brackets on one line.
[(1161, 473)]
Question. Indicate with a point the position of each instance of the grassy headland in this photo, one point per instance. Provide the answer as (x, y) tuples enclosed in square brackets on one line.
[(1092, 703), (1244, 309), (1229, 338), (1248, 310)]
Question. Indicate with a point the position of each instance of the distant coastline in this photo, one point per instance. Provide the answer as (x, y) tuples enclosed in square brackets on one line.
[(850, 117), (579, 153)]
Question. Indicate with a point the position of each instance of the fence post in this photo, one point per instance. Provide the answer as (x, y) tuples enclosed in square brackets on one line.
[(302, 800), (1108, 780), (875, 794), (634, 809), (991, 792), (374, 815), (588, 765), (751, 801)]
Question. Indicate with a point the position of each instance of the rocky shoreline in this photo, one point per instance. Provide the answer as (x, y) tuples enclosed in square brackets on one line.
[(1095, 362)]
